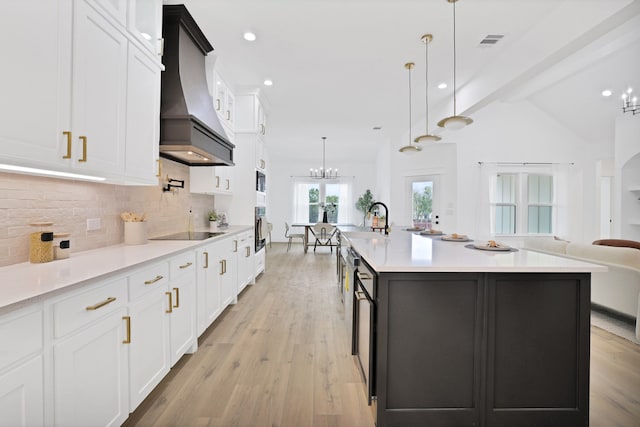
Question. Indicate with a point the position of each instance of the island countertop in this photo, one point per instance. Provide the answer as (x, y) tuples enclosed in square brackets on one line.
[(406, 251)]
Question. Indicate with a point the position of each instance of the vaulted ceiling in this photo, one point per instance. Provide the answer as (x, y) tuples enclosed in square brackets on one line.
[(338, 65)]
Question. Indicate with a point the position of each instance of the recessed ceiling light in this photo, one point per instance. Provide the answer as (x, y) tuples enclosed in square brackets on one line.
[(606, 92), (268, 82), (442, 86), (249, 36)]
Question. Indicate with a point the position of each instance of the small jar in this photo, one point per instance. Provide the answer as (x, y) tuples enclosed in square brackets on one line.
[(41, 243), (61, 246)]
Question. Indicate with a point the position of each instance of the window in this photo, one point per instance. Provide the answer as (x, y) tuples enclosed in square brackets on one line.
[(312, 198), (422, 203), (523, 204)]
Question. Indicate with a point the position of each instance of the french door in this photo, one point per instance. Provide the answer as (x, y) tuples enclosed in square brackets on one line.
[(422, 200)]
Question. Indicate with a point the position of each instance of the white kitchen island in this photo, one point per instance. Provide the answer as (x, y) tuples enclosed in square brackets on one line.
[(463, 336)]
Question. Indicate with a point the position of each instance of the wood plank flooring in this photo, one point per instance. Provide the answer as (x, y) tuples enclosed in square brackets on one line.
[(281, 357)]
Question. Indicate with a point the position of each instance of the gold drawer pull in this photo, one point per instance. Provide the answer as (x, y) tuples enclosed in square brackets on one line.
[(217, 181), (360, 296), (68, 155), (100, 304), (218, 104), (149, 282), (235, 246), (127, 319), (248, 252), (221, 268), (206, 260), (170, 294), (224, 266), (159, 168), (187, 265), (84, 148), (177, 298)]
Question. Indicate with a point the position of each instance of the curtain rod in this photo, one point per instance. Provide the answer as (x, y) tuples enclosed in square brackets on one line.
[(524, 163)]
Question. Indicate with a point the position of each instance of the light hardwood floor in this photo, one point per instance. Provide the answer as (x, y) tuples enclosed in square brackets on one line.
[(281, 357)]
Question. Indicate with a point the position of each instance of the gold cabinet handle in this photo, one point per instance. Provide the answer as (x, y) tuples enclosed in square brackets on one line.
[(228, 114), (228, 184), (363, 276), (224, 266), (221, 268), (170, 294), (206, 260), (187, 265), (263, 128), (84, 148), (100, 304), (154, 280), (360, 296), (68, 134), (235, 246), (127, 340), (159, 168), (177, 298), (248, 252), (161, 40), (217, 181), (218, 104)]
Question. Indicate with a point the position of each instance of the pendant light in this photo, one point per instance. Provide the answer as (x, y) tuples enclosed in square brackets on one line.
[(323, 173), (427, 137), (409, 148), (454, 122)]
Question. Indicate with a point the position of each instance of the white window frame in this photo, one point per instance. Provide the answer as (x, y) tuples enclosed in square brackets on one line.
[(522, 203), (346, 205)]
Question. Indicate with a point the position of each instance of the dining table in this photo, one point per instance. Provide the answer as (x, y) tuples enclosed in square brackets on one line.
[(310, 232)]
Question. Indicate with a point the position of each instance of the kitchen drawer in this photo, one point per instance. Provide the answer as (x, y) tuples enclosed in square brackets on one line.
[(147, 279), (20, 335), (85, 306), (259, 262), (182, 264)]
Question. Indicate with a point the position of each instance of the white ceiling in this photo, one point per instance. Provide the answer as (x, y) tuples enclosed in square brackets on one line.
[(338, 65)]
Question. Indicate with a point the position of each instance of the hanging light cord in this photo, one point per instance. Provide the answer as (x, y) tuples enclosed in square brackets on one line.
[(324, 170), (454, 58), (426, 79), (410, 140)]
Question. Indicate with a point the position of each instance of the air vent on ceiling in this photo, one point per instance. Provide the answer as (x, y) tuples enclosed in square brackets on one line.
[(490, 40)]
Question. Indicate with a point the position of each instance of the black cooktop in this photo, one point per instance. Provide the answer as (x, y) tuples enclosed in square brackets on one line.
[(192, 235)]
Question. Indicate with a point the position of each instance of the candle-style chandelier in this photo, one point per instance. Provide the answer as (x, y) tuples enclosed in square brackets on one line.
[(630, 103), (323, 172)]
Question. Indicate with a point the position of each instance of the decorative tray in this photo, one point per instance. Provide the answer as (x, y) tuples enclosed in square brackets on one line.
[(455, 238)]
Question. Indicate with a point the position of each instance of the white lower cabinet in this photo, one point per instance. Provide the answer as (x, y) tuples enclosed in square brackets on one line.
[(245, 260), (216, 281), (182, 305), (90, 366), (21, 368)]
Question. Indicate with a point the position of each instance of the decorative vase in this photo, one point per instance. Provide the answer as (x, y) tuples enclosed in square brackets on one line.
[(135, 233), (213, 225), (324, 217)]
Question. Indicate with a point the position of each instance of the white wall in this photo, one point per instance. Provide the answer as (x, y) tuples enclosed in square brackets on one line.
[(626, 208)]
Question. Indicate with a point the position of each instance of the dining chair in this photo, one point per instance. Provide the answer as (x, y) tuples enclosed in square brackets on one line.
[(292, 236), (323, 233)]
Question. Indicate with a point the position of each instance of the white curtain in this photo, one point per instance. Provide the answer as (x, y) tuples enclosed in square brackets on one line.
[(562, 199), (300, 200), (345, 213)]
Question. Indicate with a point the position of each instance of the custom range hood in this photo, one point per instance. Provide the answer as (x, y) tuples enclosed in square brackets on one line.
[(190, 131)]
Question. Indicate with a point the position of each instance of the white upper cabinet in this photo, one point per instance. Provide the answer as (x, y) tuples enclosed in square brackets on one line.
[(35, 106), (251, 115), (224, 104), (145, 24), (78, 94)]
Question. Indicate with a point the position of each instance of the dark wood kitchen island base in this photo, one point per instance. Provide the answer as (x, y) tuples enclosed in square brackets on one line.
[(482, 349)]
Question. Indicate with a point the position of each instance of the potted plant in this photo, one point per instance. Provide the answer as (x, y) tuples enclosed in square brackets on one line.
[(213, 220), (364, 203)]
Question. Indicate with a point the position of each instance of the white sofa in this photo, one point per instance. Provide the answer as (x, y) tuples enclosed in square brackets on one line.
[(619, 288)]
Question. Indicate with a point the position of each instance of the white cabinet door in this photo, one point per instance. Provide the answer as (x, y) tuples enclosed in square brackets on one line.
[(143, 111), (145, 24), (181, 306), (116, 8), (91, 375), (227, 258), (211, 180), (22, 395), (245, 260), (149, 347), (209, 273), (35, 83), (98, 93)]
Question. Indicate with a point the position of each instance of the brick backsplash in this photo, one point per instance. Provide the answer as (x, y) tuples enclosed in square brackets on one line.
[(69, 203)]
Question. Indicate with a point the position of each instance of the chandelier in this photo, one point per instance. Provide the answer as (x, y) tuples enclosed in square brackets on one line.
[(629, 103), (454, 122), (323, 172)]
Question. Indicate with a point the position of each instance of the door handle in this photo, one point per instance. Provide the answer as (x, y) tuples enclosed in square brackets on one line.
[(84, 148), (100, 304), (206, 260), (127, 340), (170, 295), (177, 298), (68, 155)]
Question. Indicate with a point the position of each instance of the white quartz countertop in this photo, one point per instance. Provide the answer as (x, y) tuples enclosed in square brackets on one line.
[(405, 251), (25, 282)]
